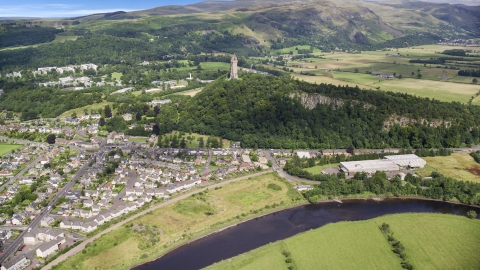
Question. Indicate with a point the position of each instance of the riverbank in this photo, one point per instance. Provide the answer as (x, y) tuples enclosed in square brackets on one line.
[(454, 239), (166, 228), (220, 230), (383, 197)]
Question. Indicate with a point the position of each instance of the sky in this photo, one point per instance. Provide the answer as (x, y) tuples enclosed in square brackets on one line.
[(58, 8)]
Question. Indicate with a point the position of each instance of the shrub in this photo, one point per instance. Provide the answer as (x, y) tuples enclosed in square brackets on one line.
[(274, 186)]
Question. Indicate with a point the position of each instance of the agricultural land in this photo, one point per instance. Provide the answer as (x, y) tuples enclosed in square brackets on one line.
[(431, 241)]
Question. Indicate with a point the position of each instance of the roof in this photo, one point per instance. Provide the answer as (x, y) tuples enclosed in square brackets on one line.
[(13, 261), (50, 244), (369, 166)]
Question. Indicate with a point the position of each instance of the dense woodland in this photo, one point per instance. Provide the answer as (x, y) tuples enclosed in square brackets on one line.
[(23, 35), (259, 112)]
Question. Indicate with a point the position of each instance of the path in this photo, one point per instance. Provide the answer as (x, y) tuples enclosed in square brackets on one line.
[(82, 245)]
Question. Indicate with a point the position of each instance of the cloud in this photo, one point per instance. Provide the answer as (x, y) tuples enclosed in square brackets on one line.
[(51, 10)]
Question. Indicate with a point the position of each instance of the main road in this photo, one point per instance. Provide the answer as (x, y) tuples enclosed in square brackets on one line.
[(34, 223), (82, 245)]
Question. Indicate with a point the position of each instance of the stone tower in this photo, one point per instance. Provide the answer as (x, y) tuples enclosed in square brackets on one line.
[(233, 67)]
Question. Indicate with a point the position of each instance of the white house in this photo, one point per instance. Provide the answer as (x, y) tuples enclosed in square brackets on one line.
[(48, 248)]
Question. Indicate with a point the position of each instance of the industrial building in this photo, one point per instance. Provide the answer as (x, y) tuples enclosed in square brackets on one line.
[(410, 161), (368, 166), (387, 164)]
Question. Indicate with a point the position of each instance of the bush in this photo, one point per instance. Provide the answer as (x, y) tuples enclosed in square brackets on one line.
[(274, 186), (472, 214)]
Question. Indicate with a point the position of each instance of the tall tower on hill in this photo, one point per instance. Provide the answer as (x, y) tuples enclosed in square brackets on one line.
[(233, 67)]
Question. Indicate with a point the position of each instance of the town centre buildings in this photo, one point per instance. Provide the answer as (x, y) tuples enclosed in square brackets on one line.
[(387, 164)]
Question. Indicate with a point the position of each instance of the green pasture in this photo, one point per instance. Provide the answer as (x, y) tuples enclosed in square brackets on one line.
[(7, 148), (432, 241), (214, 65)]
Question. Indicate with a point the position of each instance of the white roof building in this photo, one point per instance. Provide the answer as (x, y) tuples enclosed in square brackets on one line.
[(407, 161), (368, 166)]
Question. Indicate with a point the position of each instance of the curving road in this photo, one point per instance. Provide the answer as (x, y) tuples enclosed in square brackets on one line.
[(285, 175)]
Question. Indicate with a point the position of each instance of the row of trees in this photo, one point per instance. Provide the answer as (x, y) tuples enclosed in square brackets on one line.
[(439, 187)]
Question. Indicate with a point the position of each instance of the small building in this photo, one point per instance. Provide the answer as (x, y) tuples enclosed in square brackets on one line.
[(48, 248), (303, 188), (15, 263)]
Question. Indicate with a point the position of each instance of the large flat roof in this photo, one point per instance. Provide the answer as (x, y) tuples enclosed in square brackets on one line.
[(369, 165)]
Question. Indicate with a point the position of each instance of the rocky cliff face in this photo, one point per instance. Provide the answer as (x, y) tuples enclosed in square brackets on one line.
[(310, 101)]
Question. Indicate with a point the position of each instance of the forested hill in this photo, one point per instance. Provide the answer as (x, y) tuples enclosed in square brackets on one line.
[(261, 112)]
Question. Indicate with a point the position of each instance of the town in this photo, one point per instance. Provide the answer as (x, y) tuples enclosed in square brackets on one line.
[(54, 194)]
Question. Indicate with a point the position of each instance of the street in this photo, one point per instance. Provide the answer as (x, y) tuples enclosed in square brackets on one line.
[(16, 244)]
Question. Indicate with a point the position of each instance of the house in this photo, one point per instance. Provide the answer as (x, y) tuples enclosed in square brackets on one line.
[(47, 221), (49, 248), (5, 235), (15, 263)]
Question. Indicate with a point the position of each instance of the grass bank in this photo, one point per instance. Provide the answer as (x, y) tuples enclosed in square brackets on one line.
[(154, 234), (432, 241)]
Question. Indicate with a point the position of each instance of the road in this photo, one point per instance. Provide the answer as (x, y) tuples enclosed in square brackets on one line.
[(285, 175), (207, 163), (16, 244), (82, 245), (18, 175)]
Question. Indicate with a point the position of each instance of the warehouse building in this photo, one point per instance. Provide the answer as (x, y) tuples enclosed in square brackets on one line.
[(368, 166), (407, 161)]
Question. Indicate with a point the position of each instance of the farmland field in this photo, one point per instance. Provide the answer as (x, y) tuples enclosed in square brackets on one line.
[(432, 241), (190, 217), (460, 166), (355, 68), (7, 148)]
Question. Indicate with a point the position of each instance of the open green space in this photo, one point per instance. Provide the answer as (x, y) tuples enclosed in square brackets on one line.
[(318, 168), (94, 107), (180, 221), (214, 65), (7, 148), (460, 166), (138, 139), (432, 241)]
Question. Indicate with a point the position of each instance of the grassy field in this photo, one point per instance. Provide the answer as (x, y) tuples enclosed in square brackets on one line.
[(193, 216), (191, 93), (353, 69), (116, 75), (194, 142), (460, 166), (318, 169), (138, 139), (214, 65), (95, 107), (432, 241), (7, 148)]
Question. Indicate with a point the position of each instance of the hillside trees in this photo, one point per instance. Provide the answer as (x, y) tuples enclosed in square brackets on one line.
[(259, 112)]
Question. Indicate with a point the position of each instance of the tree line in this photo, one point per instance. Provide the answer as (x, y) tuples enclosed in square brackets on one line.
[(438, 187)]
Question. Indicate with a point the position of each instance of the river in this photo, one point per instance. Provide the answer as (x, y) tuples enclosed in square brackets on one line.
[(277, 226)]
